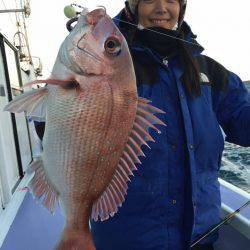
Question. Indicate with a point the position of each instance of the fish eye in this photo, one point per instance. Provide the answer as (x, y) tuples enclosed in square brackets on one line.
[(112, 46)]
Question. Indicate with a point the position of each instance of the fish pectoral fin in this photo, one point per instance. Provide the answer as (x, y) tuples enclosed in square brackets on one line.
[(52, 82), (41, 186), (32, 102), (114, 195)]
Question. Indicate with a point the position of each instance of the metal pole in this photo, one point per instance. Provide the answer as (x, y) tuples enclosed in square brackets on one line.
[(12, 10)]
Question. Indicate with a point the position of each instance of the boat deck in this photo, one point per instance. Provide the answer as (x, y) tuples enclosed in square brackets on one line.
[(35, 228)]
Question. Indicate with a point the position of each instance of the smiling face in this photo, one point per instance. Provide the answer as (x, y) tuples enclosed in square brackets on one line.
[(158, 13)]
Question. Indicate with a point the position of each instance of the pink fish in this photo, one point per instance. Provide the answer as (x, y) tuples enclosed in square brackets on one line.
[(95, 127)]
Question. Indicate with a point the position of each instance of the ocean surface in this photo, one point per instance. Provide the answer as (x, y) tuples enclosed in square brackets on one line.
[(236, 164)]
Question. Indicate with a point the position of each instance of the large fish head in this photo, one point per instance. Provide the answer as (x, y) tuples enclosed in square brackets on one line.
[(95, 46)]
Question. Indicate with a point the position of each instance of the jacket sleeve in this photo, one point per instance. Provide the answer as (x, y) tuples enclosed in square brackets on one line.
[(232, 107)]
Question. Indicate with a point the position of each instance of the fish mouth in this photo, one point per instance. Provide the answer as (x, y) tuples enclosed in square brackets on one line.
[(86, 52)]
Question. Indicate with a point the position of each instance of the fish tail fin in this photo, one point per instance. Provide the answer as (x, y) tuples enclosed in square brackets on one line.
[(75, 240)]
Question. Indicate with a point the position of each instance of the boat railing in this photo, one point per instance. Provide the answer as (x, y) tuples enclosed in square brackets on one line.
[(232, 199)]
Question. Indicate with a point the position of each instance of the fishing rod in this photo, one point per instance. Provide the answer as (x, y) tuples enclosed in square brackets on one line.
[(220, 224)]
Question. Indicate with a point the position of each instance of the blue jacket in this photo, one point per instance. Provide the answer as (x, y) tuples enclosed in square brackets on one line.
[(175, 195)]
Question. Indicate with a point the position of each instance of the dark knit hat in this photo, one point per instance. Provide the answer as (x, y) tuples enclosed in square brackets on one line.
[(133, 4)]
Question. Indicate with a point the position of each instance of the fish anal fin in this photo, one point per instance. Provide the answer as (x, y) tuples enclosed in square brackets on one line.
[(41, 186)]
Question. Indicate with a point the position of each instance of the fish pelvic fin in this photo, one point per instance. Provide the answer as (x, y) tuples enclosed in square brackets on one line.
[(41, 186), (114, 195), (32, 102)]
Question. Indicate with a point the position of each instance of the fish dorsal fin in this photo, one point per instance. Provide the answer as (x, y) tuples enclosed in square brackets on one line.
[(32, 102), (114, 195), (41, 186)]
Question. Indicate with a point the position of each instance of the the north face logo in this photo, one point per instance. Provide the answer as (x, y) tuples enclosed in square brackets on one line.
[(203, 78)]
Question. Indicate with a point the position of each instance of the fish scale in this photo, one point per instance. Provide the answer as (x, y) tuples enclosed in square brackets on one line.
[(87, 126)]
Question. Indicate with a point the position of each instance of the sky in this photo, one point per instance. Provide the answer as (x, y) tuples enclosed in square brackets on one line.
[(222, 27)]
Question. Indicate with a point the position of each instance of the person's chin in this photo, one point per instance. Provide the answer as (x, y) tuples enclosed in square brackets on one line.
[(160, 25)]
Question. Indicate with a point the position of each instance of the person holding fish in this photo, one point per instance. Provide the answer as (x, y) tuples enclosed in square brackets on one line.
[(175, 197), (95, 127), (100, 124)]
